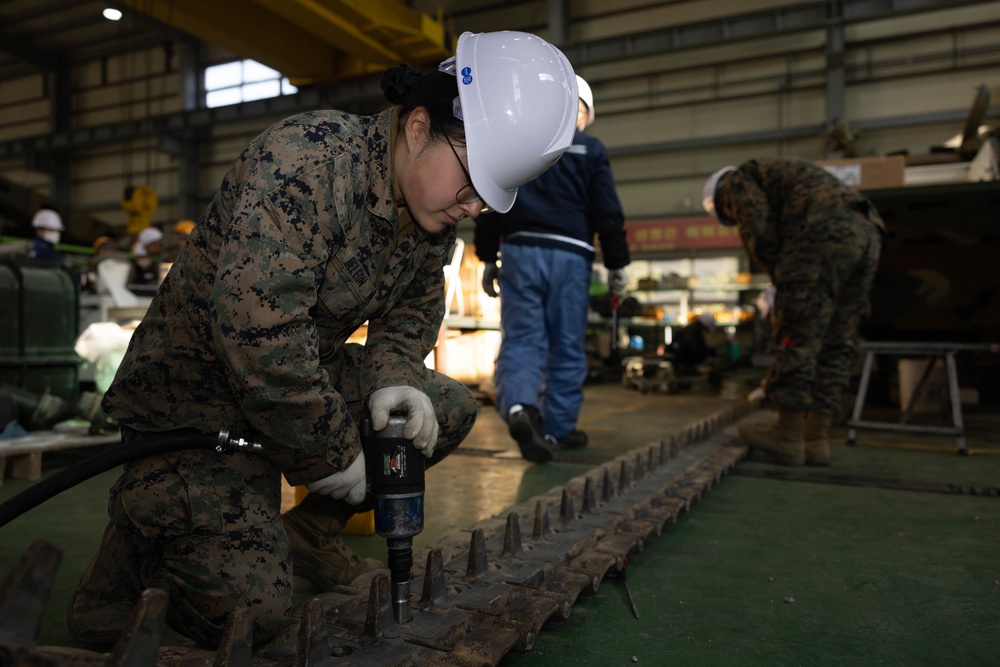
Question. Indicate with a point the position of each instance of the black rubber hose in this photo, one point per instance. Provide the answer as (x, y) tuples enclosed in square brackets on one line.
[(118, 455)]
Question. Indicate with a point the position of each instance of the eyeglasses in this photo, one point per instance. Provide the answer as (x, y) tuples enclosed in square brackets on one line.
[(467, 193)]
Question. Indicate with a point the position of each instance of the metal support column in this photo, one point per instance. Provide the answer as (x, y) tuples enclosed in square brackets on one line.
[(558, 21), (835, 65), (189, 166)]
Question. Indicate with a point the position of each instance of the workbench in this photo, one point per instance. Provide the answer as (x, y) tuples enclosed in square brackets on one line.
[(21, 458), (932, 352)]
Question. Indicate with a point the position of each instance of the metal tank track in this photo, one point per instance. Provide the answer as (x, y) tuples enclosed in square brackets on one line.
[(482, 592)]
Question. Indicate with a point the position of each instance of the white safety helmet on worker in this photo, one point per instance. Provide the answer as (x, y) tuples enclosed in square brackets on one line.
[(519, 106), (46, 218), (147, 237), (587, 95), (708, 194)]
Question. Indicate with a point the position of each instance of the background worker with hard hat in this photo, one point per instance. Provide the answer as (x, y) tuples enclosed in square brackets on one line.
[(179, 237), (103, 247), (325, 221), (546, 243), (48, 230), (146, 251), (819, 241)]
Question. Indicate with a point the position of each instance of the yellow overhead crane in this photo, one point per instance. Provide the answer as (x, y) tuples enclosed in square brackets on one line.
[(140, 203), (311, 41)]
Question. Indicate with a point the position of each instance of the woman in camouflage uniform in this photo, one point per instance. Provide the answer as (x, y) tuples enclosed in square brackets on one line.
[(819, 241), (326, 221)]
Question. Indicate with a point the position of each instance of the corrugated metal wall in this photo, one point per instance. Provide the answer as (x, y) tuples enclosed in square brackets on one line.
[(669, 116)]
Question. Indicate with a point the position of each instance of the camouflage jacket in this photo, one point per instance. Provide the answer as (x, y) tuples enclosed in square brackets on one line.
[(788, 211), (301, 245)]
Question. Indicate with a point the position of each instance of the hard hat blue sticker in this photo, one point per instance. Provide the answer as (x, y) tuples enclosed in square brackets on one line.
[(466, 75)]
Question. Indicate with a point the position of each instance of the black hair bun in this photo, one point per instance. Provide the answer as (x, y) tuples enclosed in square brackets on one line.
[(399, 82)]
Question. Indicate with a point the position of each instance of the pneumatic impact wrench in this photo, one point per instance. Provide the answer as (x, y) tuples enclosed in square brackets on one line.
[(396, 479)]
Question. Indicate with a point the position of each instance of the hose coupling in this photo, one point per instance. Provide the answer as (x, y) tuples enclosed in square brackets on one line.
[(231, 440)]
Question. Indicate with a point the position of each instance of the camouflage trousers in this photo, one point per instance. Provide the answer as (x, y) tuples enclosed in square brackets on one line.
[(816, 319), (206, 528)]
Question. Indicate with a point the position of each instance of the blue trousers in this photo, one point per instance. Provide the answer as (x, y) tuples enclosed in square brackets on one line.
[(544, 296)]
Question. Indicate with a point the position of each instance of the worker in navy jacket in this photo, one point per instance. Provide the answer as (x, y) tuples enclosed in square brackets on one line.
[(546, 243)]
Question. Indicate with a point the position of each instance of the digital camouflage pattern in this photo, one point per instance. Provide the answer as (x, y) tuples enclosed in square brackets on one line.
[(819, 241), (302, 244), (206, 527)]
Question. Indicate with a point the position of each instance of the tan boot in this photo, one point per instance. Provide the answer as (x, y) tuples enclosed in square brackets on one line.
[(102, 603), (318, 553), (817, 438), (782, 440)]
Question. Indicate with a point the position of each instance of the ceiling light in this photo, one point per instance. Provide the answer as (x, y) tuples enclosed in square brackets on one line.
[(112, 14)]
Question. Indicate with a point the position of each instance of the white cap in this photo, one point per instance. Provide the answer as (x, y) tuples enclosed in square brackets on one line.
[(46, 218), (707, 320), (146, 238), (708, 190), (587, 95), (519, 105)]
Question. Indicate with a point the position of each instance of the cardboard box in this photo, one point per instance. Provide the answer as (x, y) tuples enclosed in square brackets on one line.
[(869, 173)]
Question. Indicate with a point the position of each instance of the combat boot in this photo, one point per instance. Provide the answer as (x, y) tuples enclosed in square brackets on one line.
[(816, 435), (102, 603), (782, 440), (318, 553)]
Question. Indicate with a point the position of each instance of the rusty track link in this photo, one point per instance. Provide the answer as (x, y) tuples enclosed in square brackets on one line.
[(484, 591)]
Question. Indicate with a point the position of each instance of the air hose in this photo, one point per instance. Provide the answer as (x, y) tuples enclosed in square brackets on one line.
[(161, 443)]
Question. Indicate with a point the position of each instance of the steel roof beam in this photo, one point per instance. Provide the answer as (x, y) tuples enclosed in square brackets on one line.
[(796, 18)]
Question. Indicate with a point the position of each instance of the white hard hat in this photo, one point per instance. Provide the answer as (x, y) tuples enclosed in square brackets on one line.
[(519, 106), (46, 218), (708, 192), (146, 238), (587, 95)]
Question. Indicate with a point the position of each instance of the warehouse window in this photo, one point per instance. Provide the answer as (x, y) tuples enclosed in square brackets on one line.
[(243, 81)]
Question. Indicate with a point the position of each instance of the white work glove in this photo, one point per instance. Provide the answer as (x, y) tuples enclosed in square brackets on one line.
[(348, 484), (490, 272), (617, 282), (421, 422)]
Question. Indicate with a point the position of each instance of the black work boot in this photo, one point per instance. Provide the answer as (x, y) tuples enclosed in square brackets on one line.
[(525, 426), (102, 602), (575, 439), (318, 554)]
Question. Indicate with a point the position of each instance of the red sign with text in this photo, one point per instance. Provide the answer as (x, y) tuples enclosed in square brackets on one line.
[(680, 234)]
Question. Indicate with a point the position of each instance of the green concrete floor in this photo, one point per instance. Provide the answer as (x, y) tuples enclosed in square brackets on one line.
[(762, 571)]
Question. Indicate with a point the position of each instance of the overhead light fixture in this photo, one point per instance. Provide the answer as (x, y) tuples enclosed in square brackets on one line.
[(112, 14)]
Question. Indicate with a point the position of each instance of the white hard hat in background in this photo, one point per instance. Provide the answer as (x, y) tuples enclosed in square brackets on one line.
[(46, 218), (708, 193), (146, 238), (519, 106), (587, 95)]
